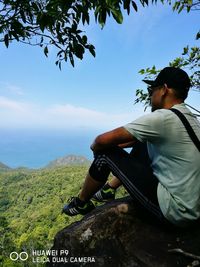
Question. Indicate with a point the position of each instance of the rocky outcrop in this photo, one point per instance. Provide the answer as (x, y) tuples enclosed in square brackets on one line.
[(69, 160), (114, 235)]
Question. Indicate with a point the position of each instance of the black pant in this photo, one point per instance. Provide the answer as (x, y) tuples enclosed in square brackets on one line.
[(134, 171)]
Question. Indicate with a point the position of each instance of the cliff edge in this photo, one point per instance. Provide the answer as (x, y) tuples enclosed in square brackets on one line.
[(114, 235)]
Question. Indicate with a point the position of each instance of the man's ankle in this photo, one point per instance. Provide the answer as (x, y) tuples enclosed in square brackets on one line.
[(108, 186), (82, 200)]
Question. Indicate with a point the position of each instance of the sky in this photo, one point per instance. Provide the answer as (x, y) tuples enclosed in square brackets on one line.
[(98, 93)]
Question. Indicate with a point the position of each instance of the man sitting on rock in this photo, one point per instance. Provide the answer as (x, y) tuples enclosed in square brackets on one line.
[(168, 185)]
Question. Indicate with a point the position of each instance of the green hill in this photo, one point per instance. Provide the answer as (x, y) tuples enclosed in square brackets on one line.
[(30, 206)]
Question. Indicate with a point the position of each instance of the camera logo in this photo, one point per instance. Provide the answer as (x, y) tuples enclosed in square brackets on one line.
[(23, 256)]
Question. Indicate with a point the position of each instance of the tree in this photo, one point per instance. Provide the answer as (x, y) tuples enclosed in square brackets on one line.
[(58, 23)]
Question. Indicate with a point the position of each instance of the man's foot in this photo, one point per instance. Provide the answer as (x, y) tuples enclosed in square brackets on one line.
[(105, 194), (77, 206)]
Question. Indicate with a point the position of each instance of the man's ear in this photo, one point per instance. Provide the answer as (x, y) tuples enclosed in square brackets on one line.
[(165, 89)]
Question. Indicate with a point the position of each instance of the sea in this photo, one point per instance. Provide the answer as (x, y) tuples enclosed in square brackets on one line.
[(36, 148)]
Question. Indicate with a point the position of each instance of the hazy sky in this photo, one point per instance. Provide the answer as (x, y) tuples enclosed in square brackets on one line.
[(99, 92)]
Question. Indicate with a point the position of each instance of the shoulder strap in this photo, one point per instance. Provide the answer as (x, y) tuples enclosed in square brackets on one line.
[(188, 127)]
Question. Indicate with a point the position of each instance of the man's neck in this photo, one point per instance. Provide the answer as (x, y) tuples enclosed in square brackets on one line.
[(170, 104)]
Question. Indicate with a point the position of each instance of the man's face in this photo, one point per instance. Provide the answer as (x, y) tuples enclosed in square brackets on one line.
[(156, 99)]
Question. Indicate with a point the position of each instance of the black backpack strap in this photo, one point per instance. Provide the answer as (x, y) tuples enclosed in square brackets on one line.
[(188, 127)]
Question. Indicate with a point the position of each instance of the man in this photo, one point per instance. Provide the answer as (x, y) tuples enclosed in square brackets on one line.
[(107, 192), (167, 186)]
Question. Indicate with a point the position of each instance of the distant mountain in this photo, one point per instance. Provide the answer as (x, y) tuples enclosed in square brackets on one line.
[(4, 167), (68, 161)]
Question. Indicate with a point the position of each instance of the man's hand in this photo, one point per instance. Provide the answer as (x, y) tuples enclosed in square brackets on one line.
[(118, 136)]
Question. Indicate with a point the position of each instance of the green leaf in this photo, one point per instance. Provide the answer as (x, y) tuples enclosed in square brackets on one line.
[(188, 8), (117, 15), (23, 16), (74, 26), (71, 58), (59, 65), (85, 18), (185, 50), (145, 2), (35, 7), (142, 71), (127, 6), (84, 39), (44, 20), (177, 6), (46, 51), (96, 12), (134, 6), (198, 35), (180, 9), (6, 40), (79, 51), (92, 50), (102, 17)]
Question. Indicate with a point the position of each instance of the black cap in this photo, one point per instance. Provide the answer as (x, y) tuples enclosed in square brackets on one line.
[(175, 78)]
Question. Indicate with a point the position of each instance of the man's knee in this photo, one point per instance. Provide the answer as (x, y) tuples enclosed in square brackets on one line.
[(99, 169), (110, 152)]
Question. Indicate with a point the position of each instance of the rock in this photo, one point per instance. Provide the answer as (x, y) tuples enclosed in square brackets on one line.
[(70, 160), (115, 235)]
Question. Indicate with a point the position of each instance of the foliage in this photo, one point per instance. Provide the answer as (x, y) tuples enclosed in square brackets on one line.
[(31, 208), (58, 23), (47, 23), (185, 5)]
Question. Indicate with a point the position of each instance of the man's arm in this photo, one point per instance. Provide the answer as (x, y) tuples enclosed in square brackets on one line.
[(118, 136)]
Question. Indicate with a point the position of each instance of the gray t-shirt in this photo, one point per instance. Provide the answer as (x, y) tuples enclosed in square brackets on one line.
[(175, 161)]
